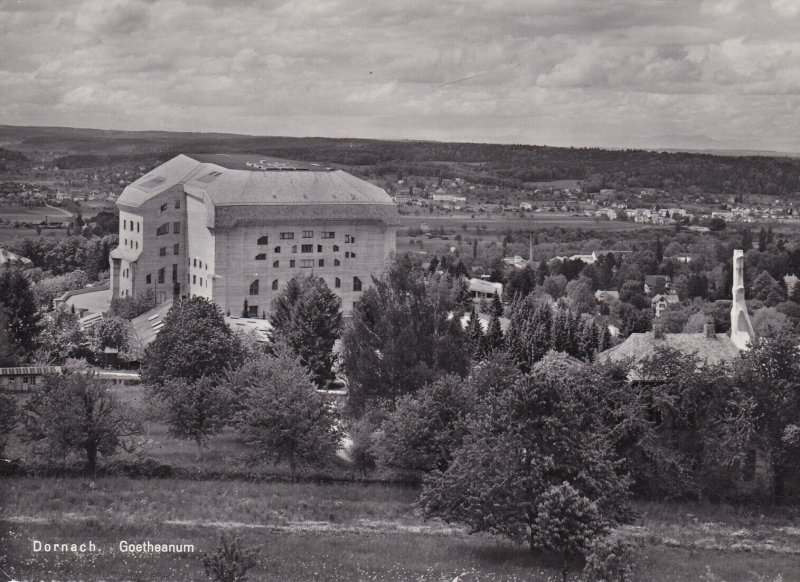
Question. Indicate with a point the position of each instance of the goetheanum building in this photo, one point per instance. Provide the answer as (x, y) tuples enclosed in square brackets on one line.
[(237, 227)]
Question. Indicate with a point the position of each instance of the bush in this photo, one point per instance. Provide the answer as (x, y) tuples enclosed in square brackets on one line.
[(149, 468), (230, 562), (610, 559)]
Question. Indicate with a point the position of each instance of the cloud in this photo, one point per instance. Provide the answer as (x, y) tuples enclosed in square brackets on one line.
[(557, 71)]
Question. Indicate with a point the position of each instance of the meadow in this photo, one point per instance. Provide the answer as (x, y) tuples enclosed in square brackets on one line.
[(332, 526)]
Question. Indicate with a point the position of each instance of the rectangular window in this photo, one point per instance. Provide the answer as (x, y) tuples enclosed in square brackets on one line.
[(163, 229), (194, 279), (322, 262), (252, 310), (177, 204), (195, 262), (335, 248), (306, 263), (124, 225), (347, 238), (176, 227), (162, 252), (319, 248), (347, 254), (306, 248), (163, 207), (287, 235), (308, 234), (176, 249), (161, 275), (137, 226), (328, 234), (148, 279), (291, 263), (174, 273)]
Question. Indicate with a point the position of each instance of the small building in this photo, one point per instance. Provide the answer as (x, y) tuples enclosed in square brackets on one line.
[(25, 378), (481, 289), (661, 301), (606, 296), (656, 284)]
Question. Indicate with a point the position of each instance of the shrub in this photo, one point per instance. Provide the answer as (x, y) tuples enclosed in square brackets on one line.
[(230, 562), (610, 559)]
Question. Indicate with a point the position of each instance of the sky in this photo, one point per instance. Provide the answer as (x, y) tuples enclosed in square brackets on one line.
[(609, 73)]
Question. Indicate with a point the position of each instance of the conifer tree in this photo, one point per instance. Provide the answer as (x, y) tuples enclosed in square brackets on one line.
[(493, 340), (475, 334)]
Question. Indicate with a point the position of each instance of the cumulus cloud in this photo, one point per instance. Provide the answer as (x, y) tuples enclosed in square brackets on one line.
[(581, 72)]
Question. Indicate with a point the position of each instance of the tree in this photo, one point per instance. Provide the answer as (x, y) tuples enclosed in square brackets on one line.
[(425, 427), (769, 322), (61, 337), (245, 309), (475, 334), (768, 375), (567, 523), (493, 342), (8, 351), (632, 292), (767, 289), (403, 334), (131, 307), (580, 296), (280, 414), (8, 419), (112, 333), (307, 317), (194, 342), (536, 434), (76, 413), (230, 562), (497, 306), (18, 300), (195, 411), (554, 285)]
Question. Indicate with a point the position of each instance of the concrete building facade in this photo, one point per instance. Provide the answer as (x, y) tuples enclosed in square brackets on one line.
[(237, 227)]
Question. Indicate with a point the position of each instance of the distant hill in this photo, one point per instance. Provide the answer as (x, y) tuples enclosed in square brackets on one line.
[(506, 165)]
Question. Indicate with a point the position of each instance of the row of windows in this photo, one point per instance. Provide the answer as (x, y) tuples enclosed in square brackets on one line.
[(126, 222), (337, 283), (164, 228), (133, 242), (303, 249), (196, 263), (176, 250), (304, 263), (264, 240)]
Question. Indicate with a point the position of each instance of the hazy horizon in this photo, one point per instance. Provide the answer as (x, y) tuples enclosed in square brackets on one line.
[(652, 74)]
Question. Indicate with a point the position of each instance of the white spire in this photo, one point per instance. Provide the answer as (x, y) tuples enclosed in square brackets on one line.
[(741, 329)]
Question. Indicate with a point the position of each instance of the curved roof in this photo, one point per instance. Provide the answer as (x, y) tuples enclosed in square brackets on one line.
[(243, 180)]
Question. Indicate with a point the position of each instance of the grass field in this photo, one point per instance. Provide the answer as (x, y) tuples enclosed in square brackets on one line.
[(32, 214), (309, 531), (335, 530)]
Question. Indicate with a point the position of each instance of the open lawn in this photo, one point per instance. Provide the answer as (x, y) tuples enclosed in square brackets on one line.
[(308, 531), (9, 233), (33, 214), (334, 530)]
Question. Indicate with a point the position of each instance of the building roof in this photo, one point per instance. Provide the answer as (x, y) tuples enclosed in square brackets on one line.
[(30, 370), (147, 325), (482, 286), (638, 346), (7, 258), (236, 185)]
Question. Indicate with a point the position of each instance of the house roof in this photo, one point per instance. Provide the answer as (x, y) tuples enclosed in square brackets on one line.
[(638, 346), (8, 258), (249, 186), (30, 370)]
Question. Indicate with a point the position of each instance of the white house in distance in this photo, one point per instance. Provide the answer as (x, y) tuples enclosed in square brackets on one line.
[(237, 227), (482, 289)]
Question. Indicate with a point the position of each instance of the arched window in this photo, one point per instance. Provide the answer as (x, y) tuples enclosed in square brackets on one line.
[(264, 240), (337, 283), (277, 250), (275, 285), (356, 284), (276, 264), (254, 287), (261, 257)]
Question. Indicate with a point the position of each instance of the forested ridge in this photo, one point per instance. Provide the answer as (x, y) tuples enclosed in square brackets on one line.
[(513, 166)]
